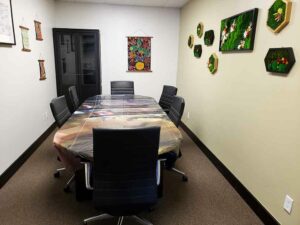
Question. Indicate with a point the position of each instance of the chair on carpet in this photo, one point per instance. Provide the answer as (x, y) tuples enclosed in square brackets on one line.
[(73, 97), (166, 97), (61, 114), (122, 87), (124, 172), (175, 114)]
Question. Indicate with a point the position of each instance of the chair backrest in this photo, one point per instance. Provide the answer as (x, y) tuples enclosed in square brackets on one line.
[(125, 163), (166, 97), (176, 110), (60, 110), (73, 97), (122, 87)]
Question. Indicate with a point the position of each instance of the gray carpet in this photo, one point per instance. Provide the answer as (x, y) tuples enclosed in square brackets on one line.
[(34, 196)]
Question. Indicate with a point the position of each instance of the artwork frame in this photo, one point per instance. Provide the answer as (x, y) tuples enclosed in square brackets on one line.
[(198, 51), (139, 54), (191, 41), (7, 30), (200, 29), (213, 63), (42, 69), (209, 37), (280, 60), (279, 15), (25, 39), (38, 30), (238, 32)]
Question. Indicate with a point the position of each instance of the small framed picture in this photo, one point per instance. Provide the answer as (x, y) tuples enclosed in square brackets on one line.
[(7, 33), (38, 30), (42, 69), (25, 39)]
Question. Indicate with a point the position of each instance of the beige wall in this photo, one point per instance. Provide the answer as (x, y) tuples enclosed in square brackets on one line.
[(248, 118)]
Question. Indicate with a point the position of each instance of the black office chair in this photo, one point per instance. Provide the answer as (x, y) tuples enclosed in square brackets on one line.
[(122, 87), (175, 114), (166, 97), (73, 97), (61, 114), (124, 172)]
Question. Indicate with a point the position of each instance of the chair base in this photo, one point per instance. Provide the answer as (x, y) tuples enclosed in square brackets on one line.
[(67, 186), (120, 220), (184, 176)]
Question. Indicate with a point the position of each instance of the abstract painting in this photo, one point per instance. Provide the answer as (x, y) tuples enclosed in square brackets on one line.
[(200, 29), (213, 63), (42, 70), (198, 51), (191, 41), (238, 32), (25, 39), (280, 60), (139, 54), (209, 37), (279, 15), (38, 30)]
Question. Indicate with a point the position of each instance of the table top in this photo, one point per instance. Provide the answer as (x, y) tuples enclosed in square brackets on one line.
[(116, 112)]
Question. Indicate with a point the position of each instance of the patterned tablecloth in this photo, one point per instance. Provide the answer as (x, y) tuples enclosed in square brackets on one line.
[(118, 112)]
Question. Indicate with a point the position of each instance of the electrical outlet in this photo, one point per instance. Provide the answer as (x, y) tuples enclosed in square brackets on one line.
[(288, 204)]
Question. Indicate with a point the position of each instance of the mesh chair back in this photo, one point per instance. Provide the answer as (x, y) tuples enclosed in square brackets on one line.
[(73, 97), (60, 110), (122, 87), (125, 169), (166, 97), (176, 110)]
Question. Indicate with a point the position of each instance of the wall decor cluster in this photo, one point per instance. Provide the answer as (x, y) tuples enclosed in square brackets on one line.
[(191, 41), (139, 54), (198, 51), (213, 63), (200, 29), (209, 37), (279, 15), (7, 33), (238, 32), (42, 69), (38, 30), (280, 60), (25, 39)]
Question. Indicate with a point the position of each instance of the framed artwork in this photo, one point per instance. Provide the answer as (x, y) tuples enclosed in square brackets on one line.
[(7, 32), (139, 54), (209, 37), (213, 63), (198, 51), (38, 30), (191, 41), (279, 15), (280, 60), (42, 69), (25, 39), (238, 32), (200, 29)]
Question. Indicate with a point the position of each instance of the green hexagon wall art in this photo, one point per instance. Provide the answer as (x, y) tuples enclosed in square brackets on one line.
[(191, 41), (209, 37), (198, 51), (280, 60), (213, 63), (279, 15), (200, 29)]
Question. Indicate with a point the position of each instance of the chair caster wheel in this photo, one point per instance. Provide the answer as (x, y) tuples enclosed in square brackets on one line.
[(67, 189), (56, 174), (185, 178)]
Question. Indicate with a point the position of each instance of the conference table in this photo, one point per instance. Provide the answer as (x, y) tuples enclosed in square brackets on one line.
[(75, 137)]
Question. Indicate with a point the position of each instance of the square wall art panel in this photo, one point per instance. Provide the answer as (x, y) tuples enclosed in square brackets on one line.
[(238, 32)]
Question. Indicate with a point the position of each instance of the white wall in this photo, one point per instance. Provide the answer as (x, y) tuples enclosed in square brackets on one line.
[(247, 117), (24, 98), (117, 22)]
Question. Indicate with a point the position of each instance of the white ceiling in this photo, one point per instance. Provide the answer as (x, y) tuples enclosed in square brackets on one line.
[(157, 3)]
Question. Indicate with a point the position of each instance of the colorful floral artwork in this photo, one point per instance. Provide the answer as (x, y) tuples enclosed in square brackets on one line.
[(139, 54), (238, 32), (200, 29), (191, 41), (213, 63), (209, 37), (280, 60), (198, 51), (279, 15)]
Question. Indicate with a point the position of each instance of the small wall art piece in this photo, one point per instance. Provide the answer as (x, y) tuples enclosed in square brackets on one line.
[(197, 51), (280, 60), (25, 39), (279, 15), (213, 63), (42, 69), (200, 29), (38, 30), (7, 32), (139, 54), (191, 41), (238, 32), (209, 37)]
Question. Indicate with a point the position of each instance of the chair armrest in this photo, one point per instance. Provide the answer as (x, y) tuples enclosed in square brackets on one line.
[(87, 172)]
